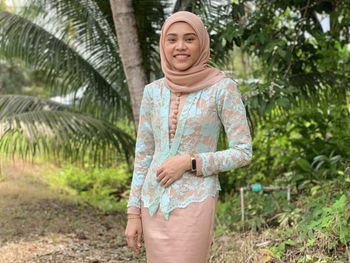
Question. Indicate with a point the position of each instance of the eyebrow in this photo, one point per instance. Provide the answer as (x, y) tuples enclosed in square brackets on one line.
[(187, 34)]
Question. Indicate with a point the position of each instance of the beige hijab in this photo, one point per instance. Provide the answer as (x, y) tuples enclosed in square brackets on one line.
[(199, 75)]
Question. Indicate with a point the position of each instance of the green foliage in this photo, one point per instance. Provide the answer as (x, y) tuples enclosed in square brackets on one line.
[(329, 222), (279, 249), (261, 210), (323, 232), (297, 147), (315, 228), (12, 79), (298, 60), (105, 188), (16, 79)]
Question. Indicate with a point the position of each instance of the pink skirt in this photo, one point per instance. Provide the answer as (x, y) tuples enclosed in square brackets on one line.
[(185, 237)]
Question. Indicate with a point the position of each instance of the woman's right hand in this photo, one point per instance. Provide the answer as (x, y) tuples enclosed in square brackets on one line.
[(133, 234)]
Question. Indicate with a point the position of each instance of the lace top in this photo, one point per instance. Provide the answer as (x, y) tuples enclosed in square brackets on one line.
[(195, 129)]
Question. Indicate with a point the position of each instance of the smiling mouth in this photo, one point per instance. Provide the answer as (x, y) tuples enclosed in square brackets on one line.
[(181, 56)]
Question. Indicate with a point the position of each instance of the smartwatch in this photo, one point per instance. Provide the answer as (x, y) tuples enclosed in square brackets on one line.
[(193, 164)]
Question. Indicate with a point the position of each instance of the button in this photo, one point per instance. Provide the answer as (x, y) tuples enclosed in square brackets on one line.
[(176, 111)]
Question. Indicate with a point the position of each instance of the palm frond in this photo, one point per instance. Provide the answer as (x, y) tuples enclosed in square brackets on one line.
[(64, 66), (17, 104), (88, 32), (63, 134)]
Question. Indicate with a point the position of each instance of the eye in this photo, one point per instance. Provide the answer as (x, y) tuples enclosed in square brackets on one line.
[(190, 39), (171, 40)]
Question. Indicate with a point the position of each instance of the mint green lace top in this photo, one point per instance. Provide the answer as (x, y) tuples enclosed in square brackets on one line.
[(203, 114)]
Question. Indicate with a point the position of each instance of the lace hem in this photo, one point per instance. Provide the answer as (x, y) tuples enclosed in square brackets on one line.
[(188, 201)]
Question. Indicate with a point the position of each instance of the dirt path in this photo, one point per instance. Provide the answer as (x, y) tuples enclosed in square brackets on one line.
[(39, 224)]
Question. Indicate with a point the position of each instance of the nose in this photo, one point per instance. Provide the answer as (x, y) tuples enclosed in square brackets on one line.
[(180, 45)]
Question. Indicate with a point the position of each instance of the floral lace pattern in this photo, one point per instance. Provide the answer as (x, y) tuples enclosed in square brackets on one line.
[(198, 127)]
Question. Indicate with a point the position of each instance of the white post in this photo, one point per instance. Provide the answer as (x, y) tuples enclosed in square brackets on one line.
[(241, 190)]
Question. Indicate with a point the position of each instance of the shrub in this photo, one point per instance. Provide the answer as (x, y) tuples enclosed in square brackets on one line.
[(105, 188)]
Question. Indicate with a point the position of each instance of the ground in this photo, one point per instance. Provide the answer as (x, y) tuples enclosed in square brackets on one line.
[(41, 224)]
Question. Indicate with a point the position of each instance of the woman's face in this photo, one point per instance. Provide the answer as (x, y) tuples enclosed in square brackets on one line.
[(181, 46)]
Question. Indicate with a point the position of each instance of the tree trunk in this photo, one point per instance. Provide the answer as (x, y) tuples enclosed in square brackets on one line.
[(130, 51)]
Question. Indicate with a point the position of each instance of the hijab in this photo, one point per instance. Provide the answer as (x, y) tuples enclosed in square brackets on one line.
[(199, 75)]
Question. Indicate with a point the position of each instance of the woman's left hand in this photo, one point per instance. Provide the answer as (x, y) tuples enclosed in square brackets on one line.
[(172, 169)]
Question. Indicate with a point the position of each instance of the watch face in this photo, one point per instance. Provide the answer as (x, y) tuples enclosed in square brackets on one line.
[(194, 166)]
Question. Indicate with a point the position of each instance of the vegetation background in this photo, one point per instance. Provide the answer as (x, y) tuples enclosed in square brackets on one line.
[(70, 90)]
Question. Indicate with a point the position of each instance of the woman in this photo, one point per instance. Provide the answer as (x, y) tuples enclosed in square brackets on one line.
[(175, 183)]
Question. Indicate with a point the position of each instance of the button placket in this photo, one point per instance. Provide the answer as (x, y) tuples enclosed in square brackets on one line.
[(174, 116)]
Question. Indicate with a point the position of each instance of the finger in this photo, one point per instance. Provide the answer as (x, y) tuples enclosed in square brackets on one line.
[(164, 181), (131, 243), (135, 247), (169, 182), (136, 250), (161, 176), (159, 170), (139, 240)]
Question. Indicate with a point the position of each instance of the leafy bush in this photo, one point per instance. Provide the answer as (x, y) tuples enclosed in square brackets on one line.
[(327, 220), (322, 233), (315, 228), (261, 210), (302, 145), (105, 188)]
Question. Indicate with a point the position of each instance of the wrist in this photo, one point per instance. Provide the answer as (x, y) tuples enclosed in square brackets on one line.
[(133, 210), (187, 162)]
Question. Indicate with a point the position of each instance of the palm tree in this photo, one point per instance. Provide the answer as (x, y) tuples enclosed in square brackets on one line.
[(130, 51), (75, 46)]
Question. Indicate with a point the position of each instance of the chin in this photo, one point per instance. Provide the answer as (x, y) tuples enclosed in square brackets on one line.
[(182, 67)]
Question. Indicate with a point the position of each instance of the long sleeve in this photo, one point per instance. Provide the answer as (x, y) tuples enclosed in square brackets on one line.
[(232, 114), (143, 152)]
